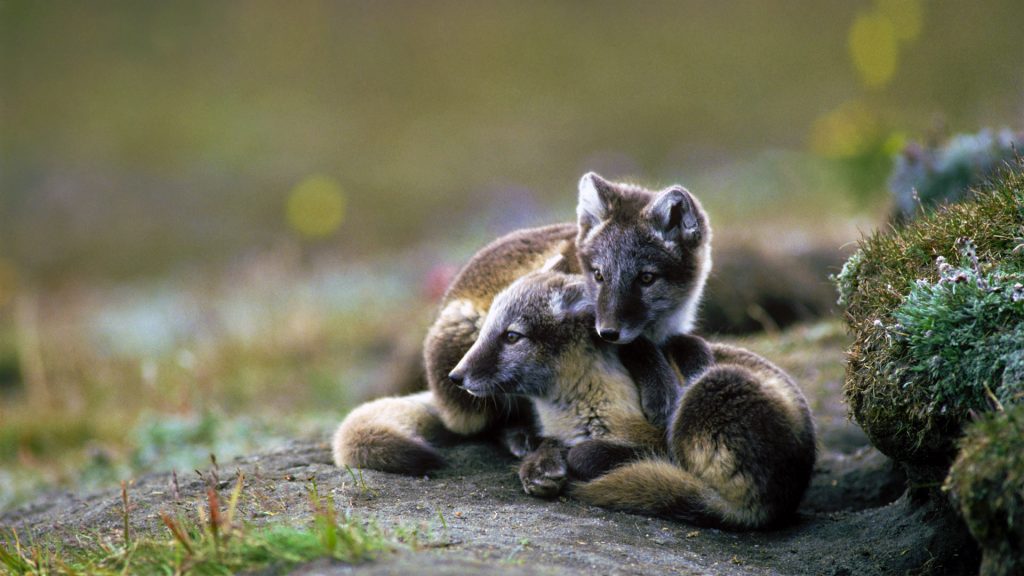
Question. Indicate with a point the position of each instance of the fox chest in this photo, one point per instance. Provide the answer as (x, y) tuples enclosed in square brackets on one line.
[(603, 404)]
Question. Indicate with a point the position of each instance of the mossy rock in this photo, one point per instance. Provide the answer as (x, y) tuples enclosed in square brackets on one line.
[(936, 319), (987, 484)]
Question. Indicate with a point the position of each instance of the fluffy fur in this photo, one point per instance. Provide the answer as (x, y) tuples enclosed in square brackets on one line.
[(738, 451)]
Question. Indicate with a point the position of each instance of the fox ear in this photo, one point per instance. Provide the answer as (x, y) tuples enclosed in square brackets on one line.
[(595, 200), (674, 214), (570, 301)]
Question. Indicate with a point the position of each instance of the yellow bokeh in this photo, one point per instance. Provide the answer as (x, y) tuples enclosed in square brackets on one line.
[(844, 132), (316, 206), (874, 48), (905, 16), (8, 282)]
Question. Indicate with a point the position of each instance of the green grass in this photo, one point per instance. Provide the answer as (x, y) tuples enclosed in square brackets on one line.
[(214, 543)]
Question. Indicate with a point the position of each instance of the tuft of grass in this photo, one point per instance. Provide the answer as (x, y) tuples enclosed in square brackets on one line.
[(985, 482), (215, 543), (902, 313)]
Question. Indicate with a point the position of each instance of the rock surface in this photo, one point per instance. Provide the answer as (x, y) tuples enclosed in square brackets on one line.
[(853, 520)]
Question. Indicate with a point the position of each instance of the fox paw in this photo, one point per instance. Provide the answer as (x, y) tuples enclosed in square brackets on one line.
[(520, 440), (544, 472)]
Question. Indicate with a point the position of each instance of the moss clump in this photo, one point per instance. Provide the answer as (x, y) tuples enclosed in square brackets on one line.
[(987, 484), (925, 176), (962, 337), (932, 340)]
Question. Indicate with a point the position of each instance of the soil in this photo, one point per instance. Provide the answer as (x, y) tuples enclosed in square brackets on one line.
[(853, 521), (857, 518)]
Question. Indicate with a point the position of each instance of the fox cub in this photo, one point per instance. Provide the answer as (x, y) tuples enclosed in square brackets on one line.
[(646, 256), (738, 451)]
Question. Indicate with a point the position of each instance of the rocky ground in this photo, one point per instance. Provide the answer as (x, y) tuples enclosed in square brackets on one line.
[(473, 518)]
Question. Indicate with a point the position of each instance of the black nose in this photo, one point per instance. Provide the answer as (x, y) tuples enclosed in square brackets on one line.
[(456, 377), (610, 335)]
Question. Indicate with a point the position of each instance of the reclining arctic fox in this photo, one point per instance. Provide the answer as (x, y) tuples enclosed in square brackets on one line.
[(738, 450)]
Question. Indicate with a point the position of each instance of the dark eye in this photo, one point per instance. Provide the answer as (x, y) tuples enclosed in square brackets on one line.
[(512, 336), (646, 278), (598, 277)]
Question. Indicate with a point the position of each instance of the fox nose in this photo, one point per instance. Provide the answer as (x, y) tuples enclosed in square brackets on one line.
[(456, 377), (609, 335)]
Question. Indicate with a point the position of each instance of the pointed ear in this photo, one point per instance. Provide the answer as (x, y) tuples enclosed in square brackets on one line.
[(676, 216), (596, 196), (570, 301)]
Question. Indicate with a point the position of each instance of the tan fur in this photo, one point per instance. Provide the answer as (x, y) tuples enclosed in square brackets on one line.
[(463, 311), (596, 399), (373, 434), (656, 486), (377, 434)]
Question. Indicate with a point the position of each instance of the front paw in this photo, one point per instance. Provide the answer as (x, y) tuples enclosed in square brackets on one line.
[(544, 472), (657, 405), (519, 440)]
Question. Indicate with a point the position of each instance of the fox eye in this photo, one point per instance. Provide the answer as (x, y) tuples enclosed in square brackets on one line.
[(598, 277), (511, 336), (646, 279)]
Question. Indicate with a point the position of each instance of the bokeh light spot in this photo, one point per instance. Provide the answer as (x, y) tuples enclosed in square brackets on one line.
[(8, 282), (895, 143), (844, 132), (316, 206), (905, 16), (873, 48)]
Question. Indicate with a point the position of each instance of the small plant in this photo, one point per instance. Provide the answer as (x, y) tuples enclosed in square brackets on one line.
[(215, 544), (963, 336)]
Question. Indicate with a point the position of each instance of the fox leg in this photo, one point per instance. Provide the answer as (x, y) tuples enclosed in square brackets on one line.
[(662, 373), (592, 458), (544, 471)]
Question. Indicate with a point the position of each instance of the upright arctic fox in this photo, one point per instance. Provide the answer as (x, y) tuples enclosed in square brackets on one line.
[(739, 449)]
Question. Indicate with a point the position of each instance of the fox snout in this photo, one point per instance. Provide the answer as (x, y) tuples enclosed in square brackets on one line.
[(616, 332), (614, 318)]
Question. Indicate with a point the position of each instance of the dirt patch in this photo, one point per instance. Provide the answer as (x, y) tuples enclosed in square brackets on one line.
[(849, 523)]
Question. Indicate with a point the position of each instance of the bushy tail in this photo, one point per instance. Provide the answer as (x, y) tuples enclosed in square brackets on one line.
[(390, 434), (660, 488)]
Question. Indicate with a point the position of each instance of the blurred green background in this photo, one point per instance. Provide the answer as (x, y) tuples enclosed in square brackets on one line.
[(213, 214)]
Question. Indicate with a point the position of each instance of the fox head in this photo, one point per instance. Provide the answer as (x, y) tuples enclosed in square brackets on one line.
[(645, 255), (531, 325)]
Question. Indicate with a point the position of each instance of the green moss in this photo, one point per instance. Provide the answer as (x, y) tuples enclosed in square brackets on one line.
[(962, 338), (987, 484), (903, 314)]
